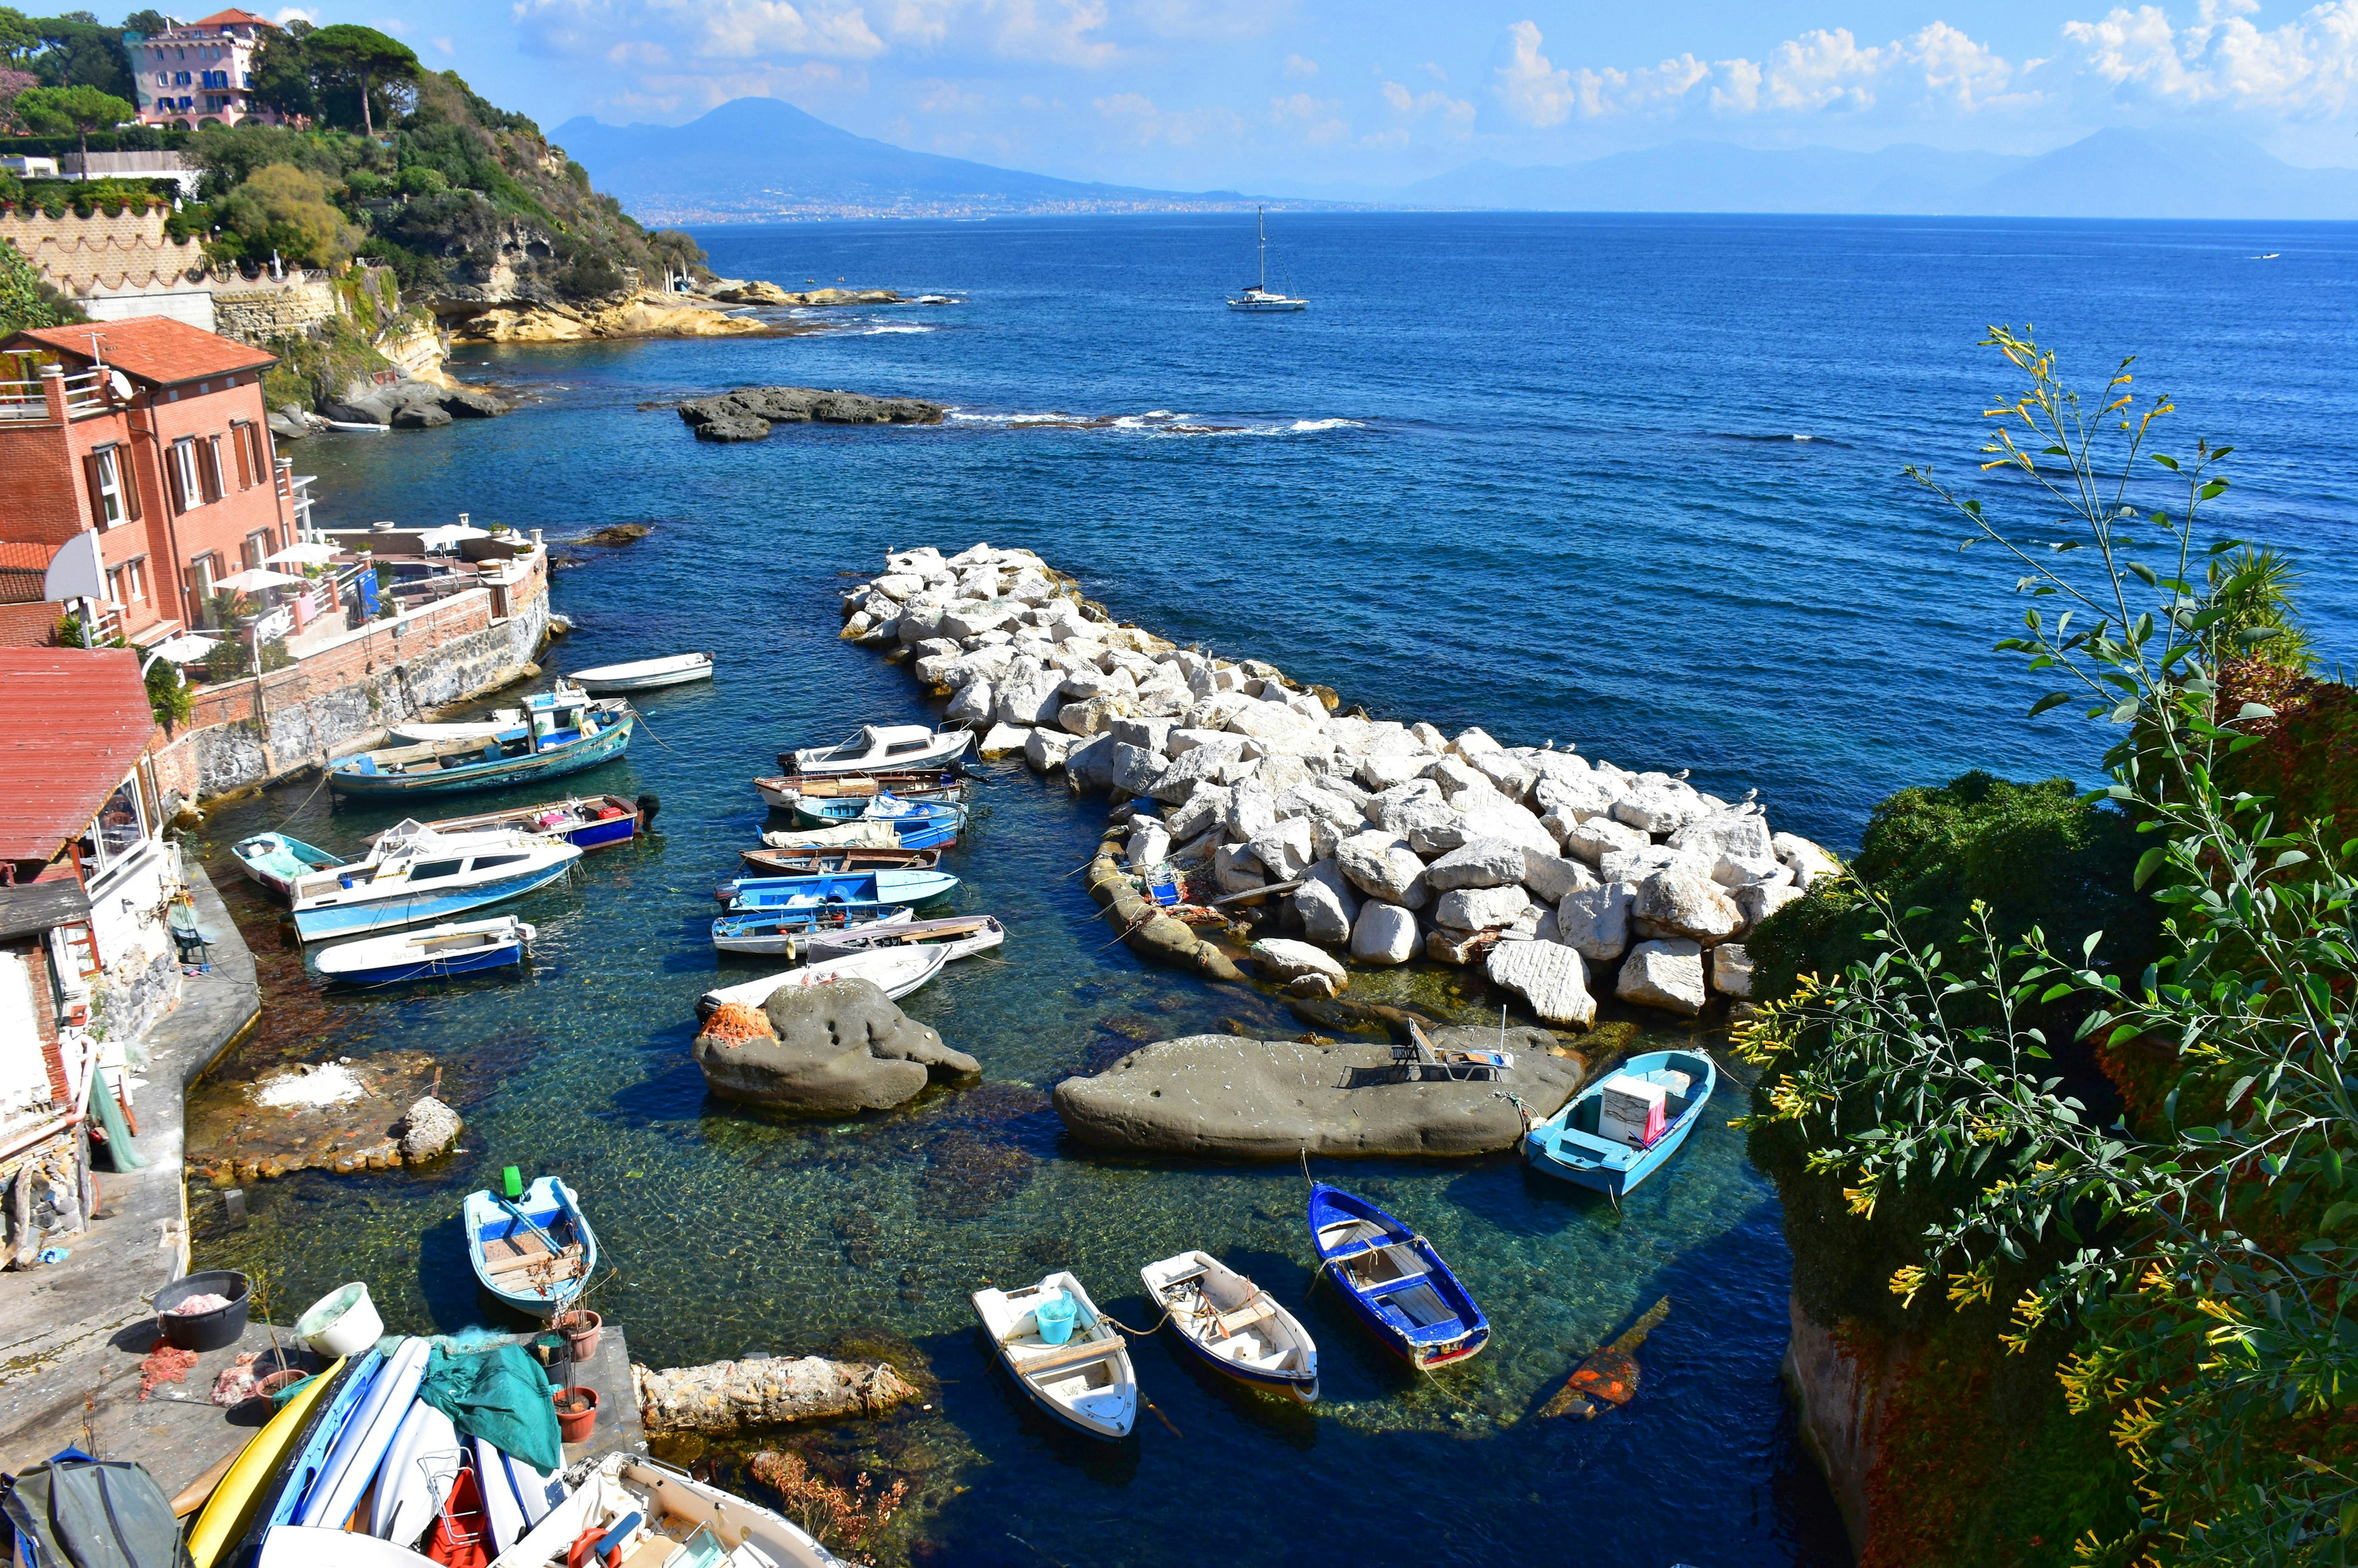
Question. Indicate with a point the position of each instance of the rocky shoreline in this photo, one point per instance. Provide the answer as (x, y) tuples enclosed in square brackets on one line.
[(1563, 875), (747, 413)]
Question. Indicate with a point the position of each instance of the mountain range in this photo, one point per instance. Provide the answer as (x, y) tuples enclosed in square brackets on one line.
[(761, 159)]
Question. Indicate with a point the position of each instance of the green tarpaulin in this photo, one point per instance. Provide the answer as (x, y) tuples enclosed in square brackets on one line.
[(501, 1396), (85, 1514)]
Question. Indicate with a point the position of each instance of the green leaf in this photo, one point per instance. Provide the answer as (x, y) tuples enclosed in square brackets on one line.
[(2147, 864), (2255, 710), (2169, 463), (2052, 700), (2216, 488), (2337, 1215), (2144, 574)]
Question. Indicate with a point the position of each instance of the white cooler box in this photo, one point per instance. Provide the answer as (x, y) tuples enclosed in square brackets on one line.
[(1631, 1110)]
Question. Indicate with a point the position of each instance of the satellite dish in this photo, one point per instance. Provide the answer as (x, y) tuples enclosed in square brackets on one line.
[(121, 384)]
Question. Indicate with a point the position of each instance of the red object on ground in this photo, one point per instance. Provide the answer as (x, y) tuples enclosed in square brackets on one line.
[(577, 1554), (465, 1507), (165, 1364)]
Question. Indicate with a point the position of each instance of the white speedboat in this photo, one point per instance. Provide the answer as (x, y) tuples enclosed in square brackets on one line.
[(423, 876), (644, 675), (1082, 1375), (895, 971), (457, 948), (886, 748), (1260, 298)]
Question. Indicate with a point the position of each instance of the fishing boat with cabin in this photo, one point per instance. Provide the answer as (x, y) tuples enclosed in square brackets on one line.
[(1394, 1280), (881, 748), (563, 733), (1617, 1132), (420, 877), (1234, 1327), (1063, 1354), (532, 1246)]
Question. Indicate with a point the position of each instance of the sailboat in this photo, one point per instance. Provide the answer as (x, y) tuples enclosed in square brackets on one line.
[(1259, 296)]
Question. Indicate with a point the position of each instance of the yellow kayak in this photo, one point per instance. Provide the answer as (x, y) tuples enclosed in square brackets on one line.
[(224, 1518)]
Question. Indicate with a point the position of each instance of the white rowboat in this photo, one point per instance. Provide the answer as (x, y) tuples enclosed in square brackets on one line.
[(896, 971), (644, 675), (1085, 1382), (957, 936), (652, 1513), (1233, 1325)]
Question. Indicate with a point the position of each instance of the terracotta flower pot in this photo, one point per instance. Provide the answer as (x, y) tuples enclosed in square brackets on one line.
[(278, 1384), (580, 1328), (577, 1412)]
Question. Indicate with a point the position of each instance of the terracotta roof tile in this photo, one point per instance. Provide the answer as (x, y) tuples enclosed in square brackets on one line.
[(231, 17), (152, 348), (26, 557), (73, 723)]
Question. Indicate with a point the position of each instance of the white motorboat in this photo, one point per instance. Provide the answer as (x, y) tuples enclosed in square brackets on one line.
[(864, 834), (644, 675), (499, 722), (1233, 1325), (895, 971), (641, 1511), (1082, 1377), (957, 936), (886, 748), (457, 948), (1260, 298), (413, 878)]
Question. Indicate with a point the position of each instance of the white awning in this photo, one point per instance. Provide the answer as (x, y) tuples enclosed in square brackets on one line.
[(255, 578), (306, 555)]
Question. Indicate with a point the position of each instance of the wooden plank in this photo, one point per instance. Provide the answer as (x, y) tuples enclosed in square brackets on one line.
[(1071, 1355)]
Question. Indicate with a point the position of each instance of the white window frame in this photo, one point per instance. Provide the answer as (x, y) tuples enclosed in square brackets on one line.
[(184, 466), (110, 487)]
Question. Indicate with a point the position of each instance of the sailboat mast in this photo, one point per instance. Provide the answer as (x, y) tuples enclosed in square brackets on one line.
[(1260, 217)]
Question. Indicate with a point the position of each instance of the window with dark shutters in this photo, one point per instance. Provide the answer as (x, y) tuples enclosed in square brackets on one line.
[(244, 463), (126, 476), (209, 466), (261, 454), (105, 501)]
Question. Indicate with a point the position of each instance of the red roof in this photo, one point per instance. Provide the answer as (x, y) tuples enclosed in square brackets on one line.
[(73, 722), (152, 348), (231, 18), (26, 557)]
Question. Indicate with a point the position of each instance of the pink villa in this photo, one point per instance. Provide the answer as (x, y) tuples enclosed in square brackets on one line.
[(198, 71)]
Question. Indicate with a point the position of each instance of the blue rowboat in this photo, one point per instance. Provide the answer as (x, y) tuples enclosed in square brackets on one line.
[(910, 818), (882, 888), (1394, 1280), (280, 861), (535, 1260), (786, 932), (586, 822), (563, 733), (1600, 1146), (295, 1481), (427, 879), (462, 949)]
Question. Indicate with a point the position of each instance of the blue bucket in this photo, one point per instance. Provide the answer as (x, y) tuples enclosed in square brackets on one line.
[(1055, 1315)]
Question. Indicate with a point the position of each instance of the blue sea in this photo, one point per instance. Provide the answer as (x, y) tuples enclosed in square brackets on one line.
[(1630, 483)]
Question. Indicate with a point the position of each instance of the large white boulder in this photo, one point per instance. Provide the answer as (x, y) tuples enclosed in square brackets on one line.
[(1595, 921), (1597, 836), (1045, 750), (1384, 934), (1004, 741), (1731, 970), (1136, 769), (1251, 810), (1033, 699), (1758, 900), (972, 705), (1283, 960), (1809, 863), (1383, 867), (1667, 974), (1509, 773), (1150, 843), (1734, 843), (1478, 863), (1383, 771), (1478, 909), (1550, 976), (1283, 847), (1271, 721), (1660, 808), (1681, 901), (1205, 808), (1496, 816), (1327, 905), (1236, 869), (972, 619), (1552, 877)]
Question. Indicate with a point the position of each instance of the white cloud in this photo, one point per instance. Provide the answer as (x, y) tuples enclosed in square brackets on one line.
[(1316, 120), (446, 45), (1137, 117), (1824, 71), (1206, 18), (1455, 114), (752, 34), (2306, 67), (1300, 65), (297, 13)]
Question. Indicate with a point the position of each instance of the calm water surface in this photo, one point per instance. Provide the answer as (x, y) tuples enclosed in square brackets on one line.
[(1631, 483)]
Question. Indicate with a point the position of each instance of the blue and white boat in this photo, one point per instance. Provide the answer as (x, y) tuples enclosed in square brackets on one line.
[(1599, 1139), (425, 877), (881, 888), (588, 822), (916, 823), (1394, 1280), (463, 948), (533, 1251), (563, 731), (1234, 1327), (280, 861), (788, 933)]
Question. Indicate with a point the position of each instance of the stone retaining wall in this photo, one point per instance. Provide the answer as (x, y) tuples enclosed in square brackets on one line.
[(258, 312)]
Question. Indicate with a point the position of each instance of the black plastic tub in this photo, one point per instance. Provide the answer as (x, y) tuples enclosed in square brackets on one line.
[(204, 1330)]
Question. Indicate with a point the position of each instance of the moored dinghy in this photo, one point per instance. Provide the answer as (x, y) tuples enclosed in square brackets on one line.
[(959, 936), (586, 822), (1394, 1280), (895, 971), (1619, 1131), (788, 933), (902, 886), (1073, 1364), (460, 947), (634, 1509), (1233, 1325), (534, 1251), (644, 675), (280, 861), (827, 862)]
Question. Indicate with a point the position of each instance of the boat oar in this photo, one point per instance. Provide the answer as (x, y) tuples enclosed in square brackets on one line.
[(545, 1239)]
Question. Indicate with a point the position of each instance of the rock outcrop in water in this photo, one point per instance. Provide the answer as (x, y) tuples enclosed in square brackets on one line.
[(831, 1048), (747, 413), (731, 1396), (1373, 839), (1270, 1099)]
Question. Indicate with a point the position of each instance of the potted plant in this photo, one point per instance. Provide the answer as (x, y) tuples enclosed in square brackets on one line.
[(577, 1412)]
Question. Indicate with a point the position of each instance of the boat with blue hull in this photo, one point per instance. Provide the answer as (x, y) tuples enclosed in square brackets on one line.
[(1599, 1139), (884, 888), (533, 1251), (787, 933), (586, 822), (1394, 1280), (916, 823), (427, 878), (463, 948), (563, 733)]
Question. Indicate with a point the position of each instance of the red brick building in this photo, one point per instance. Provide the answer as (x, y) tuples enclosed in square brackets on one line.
[(148, 435)]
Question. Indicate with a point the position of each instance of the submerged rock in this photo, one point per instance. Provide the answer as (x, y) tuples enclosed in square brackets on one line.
[(427, 1130), (840, 1046), (1225, 1095), (736, 413)]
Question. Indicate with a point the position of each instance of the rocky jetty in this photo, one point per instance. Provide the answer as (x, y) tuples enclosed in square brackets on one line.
[(755, 291), (747, 413), (831, 1048), (645, 313), (1373, 839)]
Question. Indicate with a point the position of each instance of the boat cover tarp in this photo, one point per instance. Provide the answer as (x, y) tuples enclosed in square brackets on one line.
[(500, 1395), (281, 861), (91, 1513)]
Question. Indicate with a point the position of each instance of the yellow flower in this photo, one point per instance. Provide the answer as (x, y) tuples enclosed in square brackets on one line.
[(1862, 1196), (1973, 1285), (1906, 1282)]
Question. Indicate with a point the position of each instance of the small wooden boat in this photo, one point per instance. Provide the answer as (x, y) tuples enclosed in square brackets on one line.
[(788, 933), (425, 877), (459, 948), (586, 822), (916, 823), (634, 1509), (881, 748), (534, 1253), (644, 675), (564, 733), (1233, 1325), (1084, 1378), (1617, 1132), (895, 971), (1394, 1280), (827, 862), (883, 888), (959, 936), (278, 861), (784, 792)]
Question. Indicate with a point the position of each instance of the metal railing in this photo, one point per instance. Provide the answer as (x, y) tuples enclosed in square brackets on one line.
[(22, 400), (86, 395)]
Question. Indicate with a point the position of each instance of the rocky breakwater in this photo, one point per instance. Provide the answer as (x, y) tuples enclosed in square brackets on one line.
[(743, 291), (646, 313), (747, 413), (828, 1049), (1563, 876), (406, 404)]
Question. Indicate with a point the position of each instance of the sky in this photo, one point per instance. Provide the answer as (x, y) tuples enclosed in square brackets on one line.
[(1194, 94)]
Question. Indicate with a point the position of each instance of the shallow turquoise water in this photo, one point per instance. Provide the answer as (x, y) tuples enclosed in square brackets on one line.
[(1565, 501)]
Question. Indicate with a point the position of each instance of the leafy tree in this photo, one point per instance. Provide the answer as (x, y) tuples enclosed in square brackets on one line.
[(284, 209), (284, 76), (19, 38), (146, 23), (349, 54), (79, 110), (78, 50), (12, 85)]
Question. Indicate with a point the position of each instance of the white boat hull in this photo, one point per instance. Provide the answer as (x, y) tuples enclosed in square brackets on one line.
[(896, 972), (674, 1506), (1096, 1393), (644, 675)]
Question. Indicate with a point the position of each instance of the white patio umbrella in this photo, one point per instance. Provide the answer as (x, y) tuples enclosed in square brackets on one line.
[(182, 646), (253, 579), (449, 534), (306, 554)]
